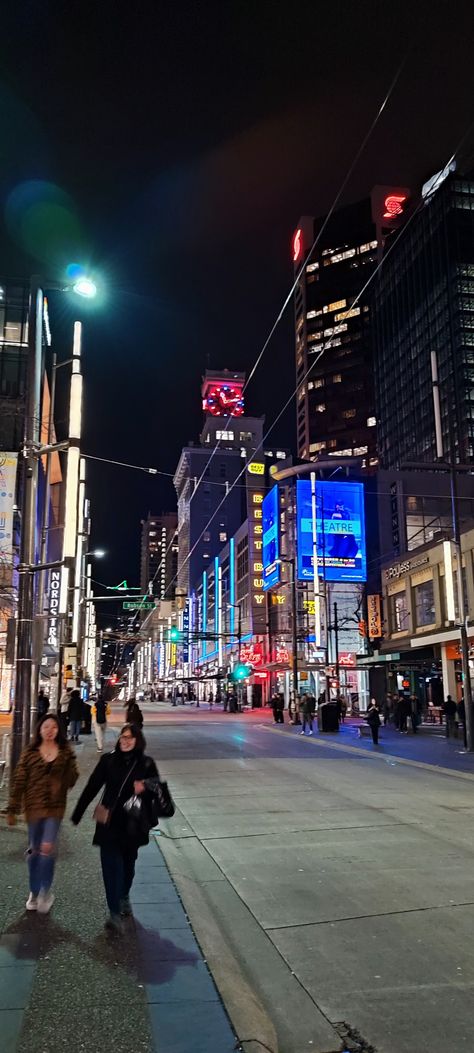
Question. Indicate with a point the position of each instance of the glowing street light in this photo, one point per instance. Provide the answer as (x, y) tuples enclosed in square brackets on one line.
[(85, 287), (99, 553)]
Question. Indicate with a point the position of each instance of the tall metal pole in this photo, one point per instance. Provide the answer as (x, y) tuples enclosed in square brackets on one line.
[(295, 634), (21, 710), (336, 644), (39, 634)]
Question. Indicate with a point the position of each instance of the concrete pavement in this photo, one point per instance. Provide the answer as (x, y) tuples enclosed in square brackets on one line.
[(356, 869)]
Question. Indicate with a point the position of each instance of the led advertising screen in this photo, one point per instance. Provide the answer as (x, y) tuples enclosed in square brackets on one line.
[(340, 531), (271, 539)]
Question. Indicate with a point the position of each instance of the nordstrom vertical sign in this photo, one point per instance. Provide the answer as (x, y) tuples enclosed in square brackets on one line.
[(54, 587)]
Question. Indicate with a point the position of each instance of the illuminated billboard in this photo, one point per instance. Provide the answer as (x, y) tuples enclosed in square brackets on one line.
[(340, 531), (271, 539)]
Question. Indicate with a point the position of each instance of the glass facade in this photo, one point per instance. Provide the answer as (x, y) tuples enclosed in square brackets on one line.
[(424, 302), (13, 362), (333, 340)]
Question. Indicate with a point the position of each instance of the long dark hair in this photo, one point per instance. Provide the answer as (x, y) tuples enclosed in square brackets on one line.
[(60, 737), (137, 734)]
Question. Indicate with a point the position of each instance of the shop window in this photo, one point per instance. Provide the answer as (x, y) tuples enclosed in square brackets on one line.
[(399, 613), (425, 613)]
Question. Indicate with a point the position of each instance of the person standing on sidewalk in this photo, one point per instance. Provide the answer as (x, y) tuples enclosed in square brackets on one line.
[(75, 711), (100, 710), (120, 774), (42, 704), (63, 709), (307, 706), (373, 720), (46, 770), (133, 714), (449, 710)]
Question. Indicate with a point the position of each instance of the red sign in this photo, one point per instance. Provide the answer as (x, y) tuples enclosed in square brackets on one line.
[(347, 659), (251, 654), (393, 205), (297, 244), (281, 654)]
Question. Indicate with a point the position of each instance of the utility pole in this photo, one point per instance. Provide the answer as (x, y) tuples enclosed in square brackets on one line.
[(336, 645)]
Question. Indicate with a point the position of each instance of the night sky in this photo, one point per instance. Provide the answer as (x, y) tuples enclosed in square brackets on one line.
[(184, 140)]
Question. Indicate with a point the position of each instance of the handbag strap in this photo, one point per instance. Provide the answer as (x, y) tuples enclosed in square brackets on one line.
[(121, 788)]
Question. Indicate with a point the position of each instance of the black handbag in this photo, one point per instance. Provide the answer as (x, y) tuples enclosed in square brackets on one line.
[(161, 804)]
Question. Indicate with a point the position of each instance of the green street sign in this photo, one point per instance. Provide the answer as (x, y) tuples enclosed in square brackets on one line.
[(135, 605)]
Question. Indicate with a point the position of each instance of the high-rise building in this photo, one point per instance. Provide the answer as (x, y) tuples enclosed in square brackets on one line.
[(159, 555), (333, 339), (210, 507), (424, 303)]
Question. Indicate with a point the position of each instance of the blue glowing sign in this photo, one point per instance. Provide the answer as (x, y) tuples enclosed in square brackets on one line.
[(340, 531), (271, 539)]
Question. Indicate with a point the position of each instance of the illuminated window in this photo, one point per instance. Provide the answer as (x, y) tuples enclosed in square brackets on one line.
[(371, 422), (337, 257), (332, 444), (223, 536), (347, 314), (337, 378), (317, 446), (245, 436), (348, 414), (312, 267), (369, 245), (314, 336), (206, 536), (359, 450), (320, 408), (281, 455), (336, 306), (225, 435)]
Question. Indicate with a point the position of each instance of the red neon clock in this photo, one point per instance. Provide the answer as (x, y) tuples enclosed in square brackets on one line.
[(222, 399), (297, 245)]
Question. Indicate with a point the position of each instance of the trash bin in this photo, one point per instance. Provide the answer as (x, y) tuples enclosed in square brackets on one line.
[(328, 719)]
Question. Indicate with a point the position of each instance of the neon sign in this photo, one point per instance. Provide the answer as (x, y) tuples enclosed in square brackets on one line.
[(393, 205), (297, 244)]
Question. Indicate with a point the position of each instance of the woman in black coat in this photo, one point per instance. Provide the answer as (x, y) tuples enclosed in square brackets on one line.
[(121, 775)]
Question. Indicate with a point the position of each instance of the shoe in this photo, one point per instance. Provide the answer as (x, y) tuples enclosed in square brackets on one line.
[(32, 902), (301, 732), (310, 733), (99, 749), (126, 907), (114, 924), (45, 901)]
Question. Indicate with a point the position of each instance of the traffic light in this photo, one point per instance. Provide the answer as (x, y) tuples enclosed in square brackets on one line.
[(241, 671), (174, 634)]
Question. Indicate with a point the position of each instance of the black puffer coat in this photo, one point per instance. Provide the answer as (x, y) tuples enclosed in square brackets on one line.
[(117, 772)]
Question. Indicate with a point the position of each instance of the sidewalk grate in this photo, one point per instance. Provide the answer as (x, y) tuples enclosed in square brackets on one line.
[(353, 1041)]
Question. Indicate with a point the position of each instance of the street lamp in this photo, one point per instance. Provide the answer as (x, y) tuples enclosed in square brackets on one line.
[(238, 606), (85, 287), (99, 553)]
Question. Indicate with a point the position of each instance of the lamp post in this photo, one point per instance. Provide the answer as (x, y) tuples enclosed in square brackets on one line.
[(238, 607)]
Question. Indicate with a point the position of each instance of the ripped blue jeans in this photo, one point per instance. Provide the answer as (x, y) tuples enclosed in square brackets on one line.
[(43, 836)]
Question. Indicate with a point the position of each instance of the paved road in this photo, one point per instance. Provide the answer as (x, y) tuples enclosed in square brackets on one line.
[(350, 874)]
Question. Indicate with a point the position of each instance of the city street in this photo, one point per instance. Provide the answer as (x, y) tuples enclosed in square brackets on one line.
[(325, 884)]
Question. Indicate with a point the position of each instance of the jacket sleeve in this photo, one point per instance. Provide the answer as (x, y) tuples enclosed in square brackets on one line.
[(95, 783), (72, 771), (18, 787), (152, 777)]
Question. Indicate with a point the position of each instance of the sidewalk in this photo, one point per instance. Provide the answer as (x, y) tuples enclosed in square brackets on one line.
[(65, 984)]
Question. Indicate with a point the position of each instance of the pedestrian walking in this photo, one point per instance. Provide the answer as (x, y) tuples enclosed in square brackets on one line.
[(75, 711), (279, 708), (42, 704), (100, 711), (46, 770), (134, 714), (414, 713), (388, 709), (373, 720), (120, 775), (307, 706), (449, 710), (64, 710)]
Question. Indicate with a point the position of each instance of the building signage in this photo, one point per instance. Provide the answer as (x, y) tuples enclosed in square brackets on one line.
[(186, 632), (347, 659), (297, 245), (374, 616), (52, 638), (395, 519), (271, 539), (340, 531), (251, 654), (398, 570), (282, 655), (8, 465), (255, 468), (138, 605)]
